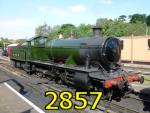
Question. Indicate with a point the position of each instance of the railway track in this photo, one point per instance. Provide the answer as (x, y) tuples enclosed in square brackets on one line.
[(138, 99), (104, 106), (99, 108), (141, 70)]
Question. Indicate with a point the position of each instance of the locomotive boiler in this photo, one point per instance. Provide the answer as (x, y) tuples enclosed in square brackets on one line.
[(86, 63), (86, 52)]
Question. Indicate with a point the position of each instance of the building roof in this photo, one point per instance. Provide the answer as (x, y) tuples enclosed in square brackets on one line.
[(16, 44)]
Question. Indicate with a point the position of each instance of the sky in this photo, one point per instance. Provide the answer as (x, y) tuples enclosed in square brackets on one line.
[(19, 18)]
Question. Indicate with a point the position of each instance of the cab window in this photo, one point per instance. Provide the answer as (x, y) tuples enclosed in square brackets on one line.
[(42, 42), (39, 42), (32, 43)]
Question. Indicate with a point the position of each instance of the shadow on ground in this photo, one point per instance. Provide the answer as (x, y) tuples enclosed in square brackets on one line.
[(21, 90), (145, 95)]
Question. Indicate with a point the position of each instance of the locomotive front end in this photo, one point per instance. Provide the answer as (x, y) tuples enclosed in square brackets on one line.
[(120, 79), (121, 85), (111, 52)]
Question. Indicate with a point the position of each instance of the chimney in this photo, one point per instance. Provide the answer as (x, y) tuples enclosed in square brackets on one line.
[(97, 31)]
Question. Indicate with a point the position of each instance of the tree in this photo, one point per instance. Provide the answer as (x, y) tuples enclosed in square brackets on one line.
[(148, 20), (66, 29), (54, 32), (136, 29), (122, 17), (105, 24), (20, 41), (110, 27), (137, 18), (42, 30), (113, 27), (84, 30)]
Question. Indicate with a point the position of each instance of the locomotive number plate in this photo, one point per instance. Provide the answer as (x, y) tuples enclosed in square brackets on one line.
[(66, 100)]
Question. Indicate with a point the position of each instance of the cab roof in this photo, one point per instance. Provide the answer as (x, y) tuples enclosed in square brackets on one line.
[(36, 38)]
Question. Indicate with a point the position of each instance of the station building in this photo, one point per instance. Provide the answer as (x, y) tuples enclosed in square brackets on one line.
[(136, 49)]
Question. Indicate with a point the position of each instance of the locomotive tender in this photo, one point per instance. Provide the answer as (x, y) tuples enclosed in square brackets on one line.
[(87, 63)]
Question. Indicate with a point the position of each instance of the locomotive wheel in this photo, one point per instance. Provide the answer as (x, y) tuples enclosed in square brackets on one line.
[(110, 95), (63, 78), (107, 93), (18, 64), (33, 68), (141, 80), (13, 63)]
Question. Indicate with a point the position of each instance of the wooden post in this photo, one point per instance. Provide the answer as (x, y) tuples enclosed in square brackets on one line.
[(132, 48)]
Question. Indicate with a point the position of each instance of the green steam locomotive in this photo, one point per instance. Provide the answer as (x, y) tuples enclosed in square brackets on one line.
[(86, 63)]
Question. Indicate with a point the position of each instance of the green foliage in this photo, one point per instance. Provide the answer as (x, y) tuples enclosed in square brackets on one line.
[(54, 32), (148, 20), (84, 30), (120, 28), (137, 18), (122, 17), (42, 30), (140, 18), (137, 29), (20, 41), (66, 29), (1, 43), (4, 41), (110, 27)]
